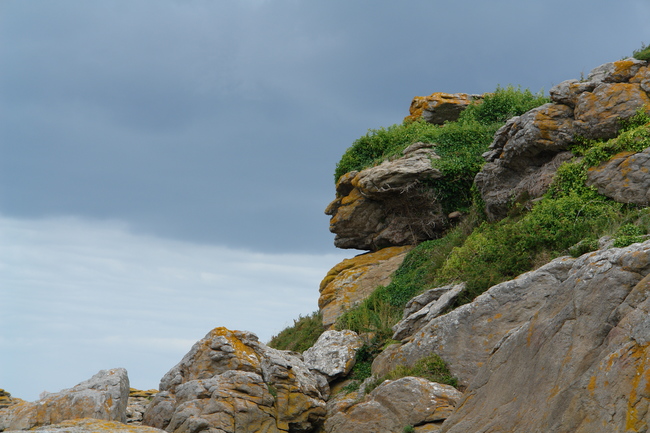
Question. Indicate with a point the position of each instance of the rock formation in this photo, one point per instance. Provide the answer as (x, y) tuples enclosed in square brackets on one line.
[(393, 405), (104, 396), (230, 382), (334, 353), (353, 280), (527, 150), (373, 211), (624, 178), (440, 107), (90, 425)]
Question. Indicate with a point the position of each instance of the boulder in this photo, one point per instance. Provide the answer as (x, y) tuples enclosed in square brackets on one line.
[(138, 402), (388, 205), (440, 107), (394, 405), (624, 178), (580, 363), (104, 396), (465, 337), (353, 280), (90, 425), (230, 382), (423, 308), (334, 353), (527, 150)]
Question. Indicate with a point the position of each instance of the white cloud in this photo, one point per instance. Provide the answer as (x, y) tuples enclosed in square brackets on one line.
[(79, 296)]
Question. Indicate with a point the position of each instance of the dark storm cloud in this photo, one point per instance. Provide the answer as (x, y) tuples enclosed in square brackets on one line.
[(221, 122)]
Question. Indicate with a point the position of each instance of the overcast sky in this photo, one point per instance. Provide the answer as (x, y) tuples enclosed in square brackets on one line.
[(164, 165)]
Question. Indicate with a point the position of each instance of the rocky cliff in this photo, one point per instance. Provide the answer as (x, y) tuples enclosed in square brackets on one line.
[(562, 347)]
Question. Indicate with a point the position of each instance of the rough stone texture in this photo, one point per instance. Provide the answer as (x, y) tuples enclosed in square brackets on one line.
[(523, 157), (527, 150), (103, 396), (624, 178), (353, 280), (230, 382), (334, 353), (440, 107), (90, 425), (580, 364), (416, 316), (395, 404), (7, 400), (386, 205), (466, 336), (138, 402)]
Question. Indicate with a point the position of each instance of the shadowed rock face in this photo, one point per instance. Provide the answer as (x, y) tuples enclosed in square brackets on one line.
[(624, 178), (230, 382), (386, 205), (527, 150)]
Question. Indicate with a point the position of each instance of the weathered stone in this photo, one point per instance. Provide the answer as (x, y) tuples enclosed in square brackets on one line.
[(440, 107), (353, 280), (334, 353), (90, 425), (465, 337), (387, 205), (616, 72), (103, 396), (395, 404), (437, 300), (624, 178), (597, 113), (524, 155), (642, 78), (567, 92), (7, 400), (230, 382), (580, 364), (138, 402)]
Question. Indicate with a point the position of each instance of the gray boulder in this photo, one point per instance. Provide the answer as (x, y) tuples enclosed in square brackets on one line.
[(624, 178), (580, 363), (104, 396), (423, 308), (334, 353), (395, 404)]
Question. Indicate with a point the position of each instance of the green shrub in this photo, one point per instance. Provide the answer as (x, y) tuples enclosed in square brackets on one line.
[(628, 234), (503, 104), (408, 429), (431, 368), (301, 336), (642, 53)]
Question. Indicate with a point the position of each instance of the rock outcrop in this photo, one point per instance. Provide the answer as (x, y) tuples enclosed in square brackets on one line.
[(353, 280), (527, 150), (230, 382), (372, 210), (440, 107), (393, 405), (624, 178), (104, 396), (580, 363)]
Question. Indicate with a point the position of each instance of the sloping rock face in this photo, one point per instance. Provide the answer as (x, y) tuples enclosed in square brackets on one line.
[(580, 364), (372, 210), (353, 280), (230, 382), (440, 107), (466, 336), (104, 396), (527, 150), (394, 405), (624, 178)]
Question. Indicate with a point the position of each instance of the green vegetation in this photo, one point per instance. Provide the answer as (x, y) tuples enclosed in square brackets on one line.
[(431, 367), (301, 336), (642, 53), (460, 144), (409, 429)]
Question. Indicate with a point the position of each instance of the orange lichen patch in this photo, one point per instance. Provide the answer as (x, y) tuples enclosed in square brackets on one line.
[(640, 393), (591, 386), (550, 120), (236, 343), (95, 425), (496, 317), (623, 70), (435, 100), (141, 393)]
